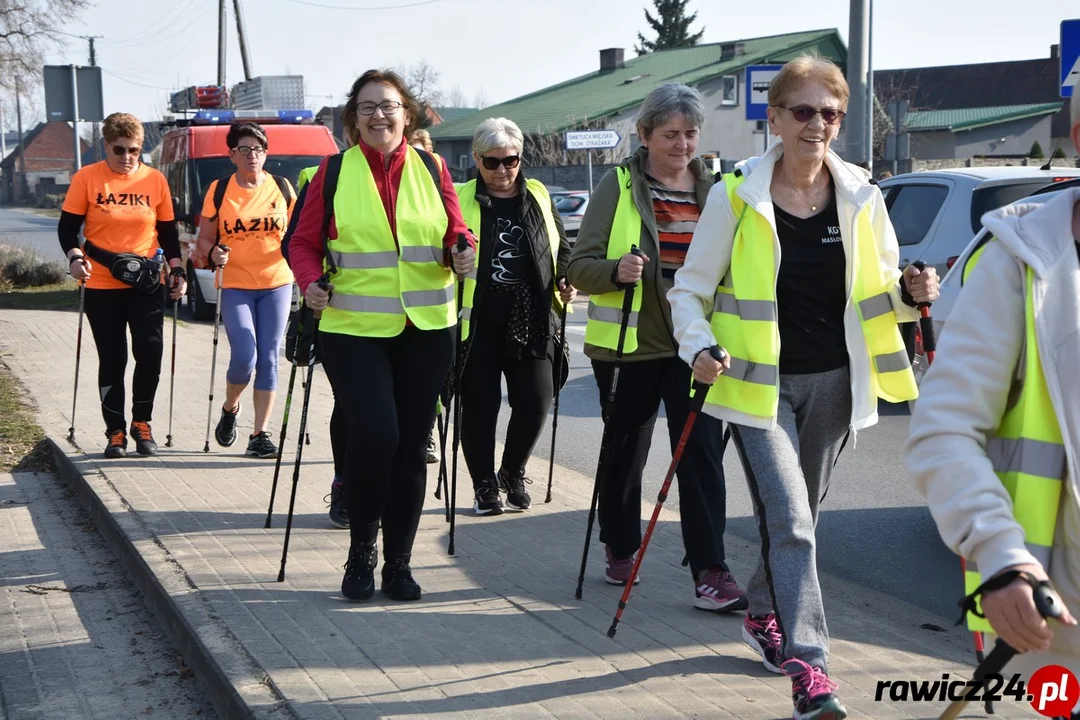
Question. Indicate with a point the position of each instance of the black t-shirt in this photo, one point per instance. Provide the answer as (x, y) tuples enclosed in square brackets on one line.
[(510, 261), (811, 292)]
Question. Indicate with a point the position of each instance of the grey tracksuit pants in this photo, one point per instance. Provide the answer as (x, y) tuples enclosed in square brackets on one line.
[(788, 470)]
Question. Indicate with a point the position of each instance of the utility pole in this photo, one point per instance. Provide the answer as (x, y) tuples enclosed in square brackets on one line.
[(93, 63), (870, 88), (222, 19), (857, 65), (243, 38), (21, 190)]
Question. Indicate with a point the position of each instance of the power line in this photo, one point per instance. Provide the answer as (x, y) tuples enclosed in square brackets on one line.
[(379, 7), (132, 82)]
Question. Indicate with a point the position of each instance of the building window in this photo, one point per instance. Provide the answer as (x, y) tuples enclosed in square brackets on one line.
[(729, 90)]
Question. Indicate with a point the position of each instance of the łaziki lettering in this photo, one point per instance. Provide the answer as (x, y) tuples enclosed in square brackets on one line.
[(128, 199), (263, 224), (994, 689)]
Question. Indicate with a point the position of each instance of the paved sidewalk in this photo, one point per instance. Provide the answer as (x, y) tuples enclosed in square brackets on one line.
[(498, 632)]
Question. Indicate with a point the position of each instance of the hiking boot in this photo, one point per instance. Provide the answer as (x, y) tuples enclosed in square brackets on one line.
[(259, 446), (717, 591), (397, 579), (359, 580), (812, 693), (117, 447), (225, 432), (339, 515), (763, 635), (144, 439), (514, 485), (432, 455), (619, 569), (487, 500)]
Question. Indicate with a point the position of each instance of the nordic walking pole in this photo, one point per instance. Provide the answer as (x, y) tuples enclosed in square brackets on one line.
[(309, 329), (281, 443), (444, 495), (1049, 605), (172, 369), (607, 411), (463, 244), (78, 357), (558, 387), (213, 359), (696, 403)]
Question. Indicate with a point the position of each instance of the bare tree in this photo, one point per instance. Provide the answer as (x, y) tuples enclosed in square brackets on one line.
[(480, 100), (894, 88), (28, 28), (423, 81), (456, 97), (546, 147)]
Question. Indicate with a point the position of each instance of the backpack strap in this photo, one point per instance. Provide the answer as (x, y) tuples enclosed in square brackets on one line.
[(219, 194), (333, 170), (286, 191), (433, 168)]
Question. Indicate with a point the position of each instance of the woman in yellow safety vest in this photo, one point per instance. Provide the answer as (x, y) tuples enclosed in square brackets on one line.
[(652, 200), (796, 262), (995, 438), (386, 331), (509, 323)]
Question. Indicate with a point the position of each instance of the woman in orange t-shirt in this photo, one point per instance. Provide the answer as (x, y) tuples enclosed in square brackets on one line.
[(243, 237), (122, 206)]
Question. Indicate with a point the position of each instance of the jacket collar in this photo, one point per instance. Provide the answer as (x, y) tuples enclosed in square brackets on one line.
[(1037, 234), (484, 198), (852, 183)]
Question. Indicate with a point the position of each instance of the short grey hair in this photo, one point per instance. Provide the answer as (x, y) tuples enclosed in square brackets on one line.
[(667, 100), (497, 133)]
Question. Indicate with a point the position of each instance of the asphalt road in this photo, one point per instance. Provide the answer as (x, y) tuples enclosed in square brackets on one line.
[(874, 530)]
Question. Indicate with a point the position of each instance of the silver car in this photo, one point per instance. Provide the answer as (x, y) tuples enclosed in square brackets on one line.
[(571, 206)]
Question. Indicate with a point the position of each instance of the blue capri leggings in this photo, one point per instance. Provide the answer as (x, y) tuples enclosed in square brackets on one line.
[(255, 322)]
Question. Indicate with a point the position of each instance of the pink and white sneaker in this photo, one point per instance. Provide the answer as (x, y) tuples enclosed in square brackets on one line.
[(717, 591), (812, 692), (619, 569), (763, 635)]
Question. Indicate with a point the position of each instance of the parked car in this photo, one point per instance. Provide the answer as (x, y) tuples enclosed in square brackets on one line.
[(194, 154), (571, 206), (936, 213)]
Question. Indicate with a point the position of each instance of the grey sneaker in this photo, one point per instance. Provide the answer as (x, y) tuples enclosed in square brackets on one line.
[(487, 500), (260, 446)]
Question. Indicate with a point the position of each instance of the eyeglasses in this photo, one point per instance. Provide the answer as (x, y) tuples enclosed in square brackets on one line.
[(806, 113), (509, 162), (388, 107), (246, 150), (121, 151)]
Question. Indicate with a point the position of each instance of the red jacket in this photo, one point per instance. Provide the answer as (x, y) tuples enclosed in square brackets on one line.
[(306, 252)]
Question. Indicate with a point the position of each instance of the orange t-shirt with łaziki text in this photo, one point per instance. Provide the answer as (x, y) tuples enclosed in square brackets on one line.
[(121, 213), (252, 223)]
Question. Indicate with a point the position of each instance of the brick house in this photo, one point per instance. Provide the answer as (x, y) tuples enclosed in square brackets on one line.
[(50, 159)]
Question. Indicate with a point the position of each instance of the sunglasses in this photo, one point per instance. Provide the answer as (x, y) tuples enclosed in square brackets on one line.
[(806, 113), (246, 150), (510, 162), (121, 151)]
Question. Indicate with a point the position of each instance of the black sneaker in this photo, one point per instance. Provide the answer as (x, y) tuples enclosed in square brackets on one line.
[(359, 580), (117, 447), (397, 580), (260, 446), (487, 500), (432, 455), (516, 497), (144, 439), (225, 432), (339, 514)]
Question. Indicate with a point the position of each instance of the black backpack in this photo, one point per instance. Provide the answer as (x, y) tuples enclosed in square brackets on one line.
[(219, 193)]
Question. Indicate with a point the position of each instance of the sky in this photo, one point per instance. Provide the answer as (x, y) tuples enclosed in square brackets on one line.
[(499, 49)]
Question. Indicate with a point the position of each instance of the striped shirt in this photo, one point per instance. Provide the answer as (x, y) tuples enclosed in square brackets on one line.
[(677, 213)]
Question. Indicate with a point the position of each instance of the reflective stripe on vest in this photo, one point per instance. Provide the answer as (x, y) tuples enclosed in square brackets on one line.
[(744, 317), (470, 211), (381, 282), (1026, 450), (605, 310)]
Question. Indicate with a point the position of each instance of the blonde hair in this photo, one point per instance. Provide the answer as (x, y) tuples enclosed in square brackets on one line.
[(809, 68), (424, 138), (122, 125)]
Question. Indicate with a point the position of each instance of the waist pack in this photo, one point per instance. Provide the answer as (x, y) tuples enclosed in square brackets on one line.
[(139, 272)]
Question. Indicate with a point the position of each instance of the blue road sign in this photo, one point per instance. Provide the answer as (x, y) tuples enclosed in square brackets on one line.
[(1069, 55), (758, 78)]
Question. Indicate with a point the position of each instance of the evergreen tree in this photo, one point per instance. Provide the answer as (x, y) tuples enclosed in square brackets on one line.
[(671, 25), (1059, 153), (1036, 151)]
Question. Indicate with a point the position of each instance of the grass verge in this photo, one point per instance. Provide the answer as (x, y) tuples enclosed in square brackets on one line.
[(58, 296), (22, 441)]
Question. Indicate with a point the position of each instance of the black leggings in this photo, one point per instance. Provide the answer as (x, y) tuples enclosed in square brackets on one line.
[(702, 494), (386, 389), (110, 314), (530, 388)]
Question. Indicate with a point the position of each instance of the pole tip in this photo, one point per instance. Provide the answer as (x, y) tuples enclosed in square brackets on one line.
[(613, 629), (168, 441), (548, 498), (206, 448), (281, 576), (450, 550), (577, 593)]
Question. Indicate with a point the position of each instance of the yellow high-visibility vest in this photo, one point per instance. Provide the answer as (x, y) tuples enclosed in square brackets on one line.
[(605, 310), (744, 317), (470, 212), (305, 177), (379, 283), (1026, 450)]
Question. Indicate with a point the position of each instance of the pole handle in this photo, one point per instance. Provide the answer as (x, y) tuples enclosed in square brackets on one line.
[(926, 322)]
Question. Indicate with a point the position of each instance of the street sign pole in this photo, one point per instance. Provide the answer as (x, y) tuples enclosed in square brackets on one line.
[(75, 116), (758, 80), (590, 171)]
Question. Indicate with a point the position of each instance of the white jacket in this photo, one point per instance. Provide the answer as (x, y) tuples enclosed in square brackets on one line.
[(709, 257), (963, 394)]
